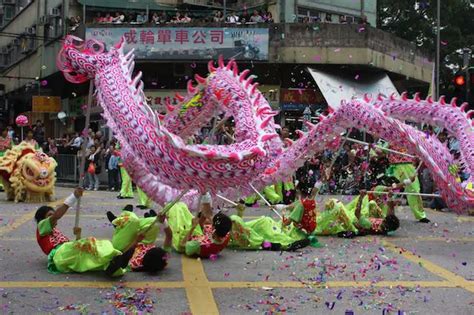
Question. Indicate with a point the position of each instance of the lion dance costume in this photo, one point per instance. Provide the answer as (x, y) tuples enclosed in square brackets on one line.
[(27, 174)]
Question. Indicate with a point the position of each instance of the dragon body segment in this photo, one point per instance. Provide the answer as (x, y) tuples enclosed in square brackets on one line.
[(160, 162)]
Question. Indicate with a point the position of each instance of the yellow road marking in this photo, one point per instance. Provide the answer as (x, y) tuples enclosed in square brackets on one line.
[(329, 284), (466, 219), (455, 279), (198, 290), (226, 284), (24, 218)]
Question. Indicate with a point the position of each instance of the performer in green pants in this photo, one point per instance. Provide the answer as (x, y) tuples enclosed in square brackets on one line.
[(88, 254), (401, 167), (126, 190), (144, 202)]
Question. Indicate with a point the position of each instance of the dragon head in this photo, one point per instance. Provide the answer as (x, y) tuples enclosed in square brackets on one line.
[(79, 60), (37, 170)]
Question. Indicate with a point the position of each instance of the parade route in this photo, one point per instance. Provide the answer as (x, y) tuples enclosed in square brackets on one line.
[(422, 268)]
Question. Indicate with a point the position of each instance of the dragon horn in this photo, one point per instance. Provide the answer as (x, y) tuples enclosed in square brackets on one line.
[(235, 68), (229, 64), (417, 97), (405, 96), (210, 66), (169, 107), (442, 100), (243, 75), (220, 61), (454, 101), (464, 106), (199, 79), (179, 97), (191, 88)]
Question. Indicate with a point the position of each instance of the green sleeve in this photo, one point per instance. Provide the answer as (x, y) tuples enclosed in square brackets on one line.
[(297, 212), (192, 248), (365, 223), (45, 227)]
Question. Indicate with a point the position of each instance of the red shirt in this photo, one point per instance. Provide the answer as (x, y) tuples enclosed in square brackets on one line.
[(136, 262), (308, 220), (49, 241), (208, 247)]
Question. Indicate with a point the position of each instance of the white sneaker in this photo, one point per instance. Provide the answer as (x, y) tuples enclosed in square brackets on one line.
[(96, 189)]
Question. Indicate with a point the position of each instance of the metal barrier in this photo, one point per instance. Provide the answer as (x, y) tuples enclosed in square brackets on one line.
[(67, 168)]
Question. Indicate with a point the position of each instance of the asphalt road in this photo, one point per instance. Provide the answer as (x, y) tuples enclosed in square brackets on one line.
[(422, 269)]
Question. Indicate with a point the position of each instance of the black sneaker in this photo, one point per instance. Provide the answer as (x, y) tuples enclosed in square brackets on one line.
[(128, 208), (142, 207), (153, 213), (298, 244), (111, 216), (425, 220), (120, 197)]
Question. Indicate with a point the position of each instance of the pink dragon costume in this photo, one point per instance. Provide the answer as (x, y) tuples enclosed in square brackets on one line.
[(161, 163)]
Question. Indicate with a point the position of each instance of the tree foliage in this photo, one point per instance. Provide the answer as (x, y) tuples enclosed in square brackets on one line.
[(416, 21)]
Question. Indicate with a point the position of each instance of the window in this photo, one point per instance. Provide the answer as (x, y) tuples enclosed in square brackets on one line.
[(305, 14), (54, 24), (9, 12)]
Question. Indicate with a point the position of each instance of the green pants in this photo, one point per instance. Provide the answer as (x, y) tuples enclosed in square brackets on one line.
[(283, 186), (87, 254), (269, 192), (143, 199), (404, 171), (126, 190)]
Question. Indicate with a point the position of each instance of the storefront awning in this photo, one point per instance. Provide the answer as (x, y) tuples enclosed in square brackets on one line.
[(338, 87), (127, 4)]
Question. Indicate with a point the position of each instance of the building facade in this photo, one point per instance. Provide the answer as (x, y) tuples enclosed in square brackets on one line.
[(305, 37)]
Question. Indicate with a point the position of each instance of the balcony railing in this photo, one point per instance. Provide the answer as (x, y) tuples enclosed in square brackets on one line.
[(314, 35)]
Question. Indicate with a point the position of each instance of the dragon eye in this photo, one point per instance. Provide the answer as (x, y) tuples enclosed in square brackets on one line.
[(29, 172)]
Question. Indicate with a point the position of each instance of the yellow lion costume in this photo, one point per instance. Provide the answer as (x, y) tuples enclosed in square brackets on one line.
[(28, 174)]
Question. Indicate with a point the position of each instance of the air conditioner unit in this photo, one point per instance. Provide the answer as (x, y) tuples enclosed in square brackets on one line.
[(10, 2), (55, 12)]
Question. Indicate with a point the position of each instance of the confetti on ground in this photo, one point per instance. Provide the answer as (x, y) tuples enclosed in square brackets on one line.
[(130, 301), (81, 308)]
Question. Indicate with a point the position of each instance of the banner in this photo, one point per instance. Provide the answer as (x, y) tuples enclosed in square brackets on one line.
[(46, 104), (298, 99), (187, 43), (338, 87)]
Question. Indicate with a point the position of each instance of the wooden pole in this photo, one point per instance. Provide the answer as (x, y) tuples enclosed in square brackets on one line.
[(83, 156), (404, 193), (266, 201), (227, 200), (380, 147)]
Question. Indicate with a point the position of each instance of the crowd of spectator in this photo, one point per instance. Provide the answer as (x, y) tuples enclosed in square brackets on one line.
[(182, 17)]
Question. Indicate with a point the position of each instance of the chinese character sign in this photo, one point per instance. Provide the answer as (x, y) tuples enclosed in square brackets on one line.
[(188, 42)]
